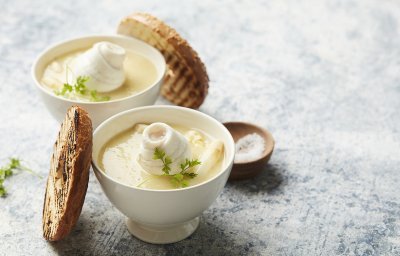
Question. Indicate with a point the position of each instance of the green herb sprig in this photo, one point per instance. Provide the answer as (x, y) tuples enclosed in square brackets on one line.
[(180, 179), (79, 87), (160, 154), (96, 98), (8, 170)]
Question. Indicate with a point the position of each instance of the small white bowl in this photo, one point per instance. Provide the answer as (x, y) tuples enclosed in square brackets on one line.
[(162, 216), (98, 111)]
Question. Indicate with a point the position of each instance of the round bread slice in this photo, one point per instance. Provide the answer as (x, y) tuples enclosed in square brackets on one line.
[(69, 175), (186, 80)]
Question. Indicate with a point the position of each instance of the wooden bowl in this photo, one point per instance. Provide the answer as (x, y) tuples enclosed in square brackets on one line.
[(246, 170)]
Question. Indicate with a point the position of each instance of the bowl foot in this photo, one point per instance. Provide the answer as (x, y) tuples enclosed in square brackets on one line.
[(162, 235)]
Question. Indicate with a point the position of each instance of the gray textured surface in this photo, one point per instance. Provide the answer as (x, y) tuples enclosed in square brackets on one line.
[(322, 76)]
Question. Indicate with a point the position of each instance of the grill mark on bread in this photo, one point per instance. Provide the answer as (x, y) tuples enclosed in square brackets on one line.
[(76, 119), (184, 75)]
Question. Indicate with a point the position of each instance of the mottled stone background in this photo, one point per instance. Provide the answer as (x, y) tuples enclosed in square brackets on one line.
[(322, 76)]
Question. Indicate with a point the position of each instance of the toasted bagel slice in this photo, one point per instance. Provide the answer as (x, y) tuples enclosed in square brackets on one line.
[(69, 175), (186, 80)]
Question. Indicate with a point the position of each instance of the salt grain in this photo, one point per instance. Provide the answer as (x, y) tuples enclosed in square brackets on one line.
[(249, 148)]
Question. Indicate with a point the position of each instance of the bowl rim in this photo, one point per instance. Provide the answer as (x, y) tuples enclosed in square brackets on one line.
[(159, 79), (229, 163)]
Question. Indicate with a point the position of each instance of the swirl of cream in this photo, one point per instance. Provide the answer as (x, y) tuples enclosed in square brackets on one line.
[(165, 138), (103, 63)]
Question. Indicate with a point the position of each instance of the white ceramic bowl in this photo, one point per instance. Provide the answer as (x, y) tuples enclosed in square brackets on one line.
[(162, 216), (98, 111)]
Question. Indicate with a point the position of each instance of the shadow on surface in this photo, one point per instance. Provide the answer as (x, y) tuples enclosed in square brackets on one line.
[(82, 239), (209, 239), (270, 180)]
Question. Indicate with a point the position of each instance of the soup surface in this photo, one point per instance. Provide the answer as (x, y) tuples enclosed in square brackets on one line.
[(118, 158), (140, 73)]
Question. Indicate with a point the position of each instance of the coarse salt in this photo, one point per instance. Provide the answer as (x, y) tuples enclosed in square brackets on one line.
[(249, 148)]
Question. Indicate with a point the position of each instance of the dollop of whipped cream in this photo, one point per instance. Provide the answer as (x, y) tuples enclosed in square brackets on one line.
[(167, 139), (103, 63)]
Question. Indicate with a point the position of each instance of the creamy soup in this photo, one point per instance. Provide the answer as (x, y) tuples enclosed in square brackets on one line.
[(119, 158), (140, 73)]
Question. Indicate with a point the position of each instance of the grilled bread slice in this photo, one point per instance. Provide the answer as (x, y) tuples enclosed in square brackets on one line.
[(69, 175), (186, 80)]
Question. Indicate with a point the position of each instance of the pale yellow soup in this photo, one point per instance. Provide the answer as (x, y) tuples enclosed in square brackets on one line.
[(118, 158), (140, 74)]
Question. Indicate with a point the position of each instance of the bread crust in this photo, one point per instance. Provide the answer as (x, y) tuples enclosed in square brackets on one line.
[(69, 175), (186, 82)]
